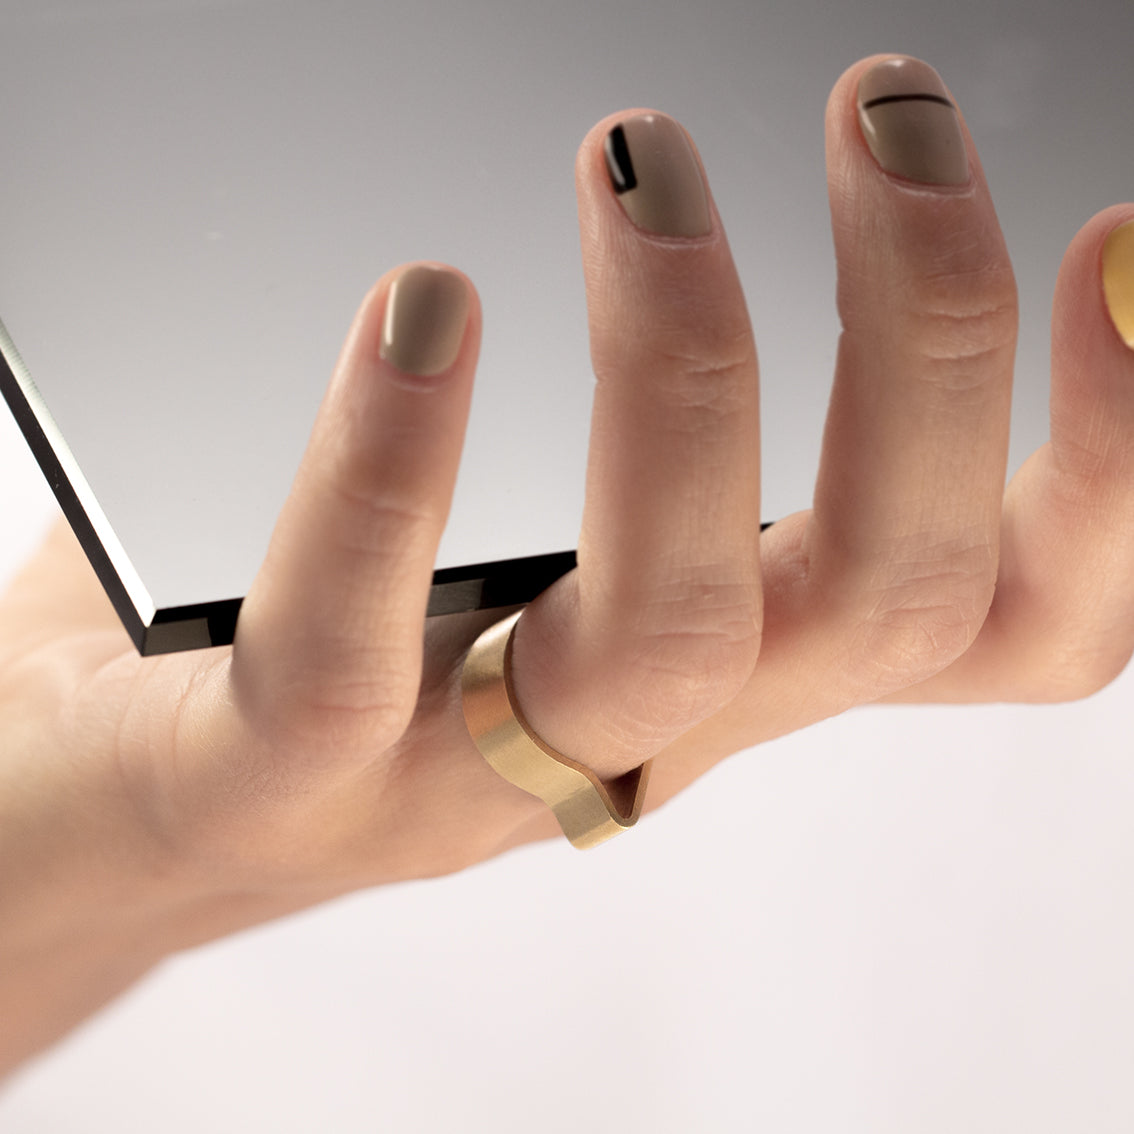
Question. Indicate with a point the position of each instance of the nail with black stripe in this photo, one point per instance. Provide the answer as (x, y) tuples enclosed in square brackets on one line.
[(656, 176), (911, 124)]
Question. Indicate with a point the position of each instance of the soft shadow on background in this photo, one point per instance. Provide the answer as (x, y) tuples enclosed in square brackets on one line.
[(900, 920)]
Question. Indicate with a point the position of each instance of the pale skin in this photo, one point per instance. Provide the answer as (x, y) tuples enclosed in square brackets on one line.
[(149, 805)]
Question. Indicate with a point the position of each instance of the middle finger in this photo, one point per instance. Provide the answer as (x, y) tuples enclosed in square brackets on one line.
[(660, 624)]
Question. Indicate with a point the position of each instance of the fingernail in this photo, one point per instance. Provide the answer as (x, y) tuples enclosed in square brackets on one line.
[(426, 312), (1118, 280), (657, 176), (911, 124)]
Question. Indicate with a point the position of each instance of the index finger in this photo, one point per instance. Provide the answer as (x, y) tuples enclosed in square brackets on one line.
[(327, 653)]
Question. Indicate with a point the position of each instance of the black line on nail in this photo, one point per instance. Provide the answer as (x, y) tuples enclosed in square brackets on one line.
[(618, 163), (908, 98)]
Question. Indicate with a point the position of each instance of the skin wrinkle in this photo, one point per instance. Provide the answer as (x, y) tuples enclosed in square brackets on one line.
[(958, 254), (629, 344), (1100, 454), (666, 567), (329, 720), (960, 569), (370, 516), (926, 613), (963, 337), (893, 653), (942, 387), (951, 306), (730, 613)]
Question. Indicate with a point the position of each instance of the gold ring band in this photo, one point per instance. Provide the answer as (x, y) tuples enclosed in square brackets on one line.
[(589, 811)]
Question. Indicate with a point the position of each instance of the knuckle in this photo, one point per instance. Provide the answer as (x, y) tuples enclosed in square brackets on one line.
[(727, 353), (924, 615), (905, 645), (357, 720), (961, 321), (371, 521), (348, 699), (329, 722), (704, 391), (687, 370), (691, 657)]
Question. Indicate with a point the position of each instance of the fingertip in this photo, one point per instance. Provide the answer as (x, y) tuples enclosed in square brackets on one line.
[(1088, 240), (895, 114), (642, 165), (589, 157), (424, 321), (1094, 292), (844, 93), (423, 318)]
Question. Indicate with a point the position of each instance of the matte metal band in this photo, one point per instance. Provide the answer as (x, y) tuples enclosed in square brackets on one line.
[(589, 811)]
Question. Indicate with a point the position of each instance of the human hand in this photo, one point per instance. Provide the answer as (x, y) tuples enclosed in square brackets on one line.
[(915, 577), (154, 803)]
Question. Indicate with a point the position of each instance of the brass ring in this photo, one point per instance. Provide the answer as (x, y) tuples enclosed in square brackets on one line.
[(589, 811)]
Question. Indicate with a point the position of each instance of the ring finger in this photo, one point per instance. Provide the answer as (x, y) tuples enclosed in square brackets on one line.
[(903, 540), (889, 578)]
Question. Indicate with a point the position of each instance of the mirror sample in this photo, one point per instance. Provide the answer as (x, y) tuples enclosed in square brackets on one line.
[(200, 192)]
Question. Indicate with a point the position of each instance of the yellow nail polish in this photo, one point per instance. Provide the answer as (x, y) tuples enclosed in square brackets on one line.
[(1118, 280)]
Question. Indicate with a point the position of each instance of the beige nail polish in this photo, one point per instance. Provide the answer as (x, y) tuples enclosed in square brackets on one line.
[(426, 313), (1118, 280), (657, 177), (910, 123)]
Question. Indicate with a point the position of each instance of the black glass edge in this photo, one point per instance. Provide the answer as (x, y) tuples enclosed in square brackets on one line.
[(44, 450), (455, 590)]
